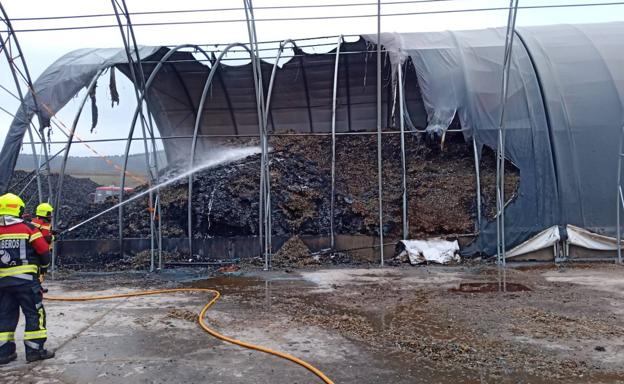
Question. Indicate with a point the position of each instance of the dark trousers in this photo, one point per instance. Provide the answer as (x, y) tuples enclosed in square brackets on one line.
[(29, 298)]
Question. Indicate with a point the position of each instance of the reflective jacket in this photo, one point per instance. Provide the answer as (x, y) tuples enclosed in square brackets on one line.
[(23, 252), (45, 227)]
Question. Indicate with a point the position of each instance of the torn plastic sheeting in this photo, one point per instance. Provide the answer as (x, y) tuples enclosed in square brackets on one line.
[(546, 238), (586, 239), (434, 250)]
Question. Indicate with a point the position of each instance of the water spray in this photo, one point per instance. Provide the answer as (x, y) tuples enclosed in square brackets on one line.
[(221, 157)]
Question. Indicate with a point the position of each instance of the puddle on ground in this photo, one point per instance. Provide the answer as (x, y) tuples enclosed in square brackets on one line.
[(229, 284), (488, 287)]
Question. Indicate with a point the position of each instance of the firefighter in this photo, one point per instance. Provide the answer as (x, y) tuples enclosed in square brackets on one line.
[(24, 254), (43, 222)]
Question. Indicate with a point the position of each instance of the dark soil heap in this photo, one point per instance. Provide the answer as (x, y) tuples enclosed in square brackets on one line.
[(440, 184), (76, 196), (294, 253)]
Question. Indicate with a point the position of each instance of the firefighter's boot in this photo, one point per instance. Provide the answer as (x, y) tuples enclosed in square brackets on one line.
[(7, 359), (39, 354)]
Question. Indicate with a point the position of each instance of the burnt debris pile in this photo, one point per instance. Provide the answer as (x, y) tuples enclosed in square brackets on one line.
[(440, 184), (77, 192)]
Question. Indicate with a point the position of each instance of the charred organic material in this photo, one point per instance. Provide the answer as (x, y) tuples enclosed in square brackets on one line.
[(440, 183)]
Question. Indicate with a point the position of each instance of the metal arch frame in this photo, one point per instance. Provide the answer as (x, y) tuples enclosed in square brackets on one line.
[(268, 244), (333, 159), (306, 88), (26, 77), (226, 94), (260, 103), (146, 124), (70, 140), (198, 120), (500, 149), (138, 110)]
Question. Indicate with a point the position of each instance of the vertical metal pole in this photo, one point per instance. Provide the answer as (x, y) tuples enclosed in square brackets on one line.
[(267, 109), (260, 105), (333, 160), (620, 198), (160, 247), (379, 146), (139, 91), (478, 178), (261, 199), (500, 165), (403, 159)]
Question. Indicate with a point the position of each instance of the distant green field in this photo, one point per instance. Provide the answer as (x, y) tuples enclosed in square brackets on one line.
[(107, 179)]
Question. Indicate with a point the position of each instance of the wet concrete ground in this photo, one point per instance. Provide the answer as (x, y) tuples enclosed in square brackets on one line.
[(394, 325)]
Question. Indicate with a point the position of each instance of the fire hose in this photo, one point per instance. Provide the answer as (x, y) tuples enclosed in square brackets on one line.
[(202, 323)]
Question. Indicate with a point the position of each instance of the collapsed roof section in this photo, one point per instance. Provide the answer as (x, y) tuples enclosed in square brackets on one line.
[(563, 116)]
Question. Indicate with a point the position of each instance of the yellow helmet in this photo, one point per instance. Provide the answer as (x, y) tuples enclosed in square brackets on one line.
[(44, 210), (11, 205)]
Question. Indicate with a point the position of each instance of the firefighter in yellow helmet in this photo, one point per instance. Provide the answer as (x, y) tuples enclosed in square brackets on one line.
[(24, 254), (43, 222)]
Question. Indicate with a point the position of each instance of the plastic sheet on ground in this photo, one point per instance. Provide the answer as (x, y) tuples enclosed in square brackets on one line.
[(546, 238), (586, 239), (433, 250)]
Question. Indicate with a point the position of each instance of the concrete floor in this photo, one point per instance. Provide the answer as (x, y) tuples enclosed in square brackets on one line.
[(155, 339)]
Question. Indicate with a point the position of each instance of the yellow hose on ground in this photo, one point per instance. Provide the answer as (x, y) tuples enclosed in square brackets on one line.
[(202, 323)]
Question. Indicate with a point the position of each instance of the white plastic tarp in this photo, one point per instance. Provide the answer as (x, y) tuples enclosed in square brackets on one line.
[(433, 250), (546, 238), (586, 239)]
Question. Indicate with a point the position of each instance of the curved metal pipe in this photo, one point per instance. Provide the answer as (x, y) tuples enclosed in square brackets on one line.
[(268, 247), (333, 160), (28, 79), (70, 139), (148, 84), (198, 120), (145, 125)]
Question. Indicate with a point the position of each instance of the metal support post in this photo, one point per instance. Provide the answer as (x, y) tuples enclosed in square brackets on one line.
[(477, 160), (500, 150), (146, 124), (264, 226), (333, 160), (620, 199), (267, 109), (379, 146), (405, 219)]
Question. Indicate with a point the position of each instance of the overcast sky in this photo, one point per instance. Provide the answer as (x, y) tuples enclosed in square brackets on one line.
[(43, 48)]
